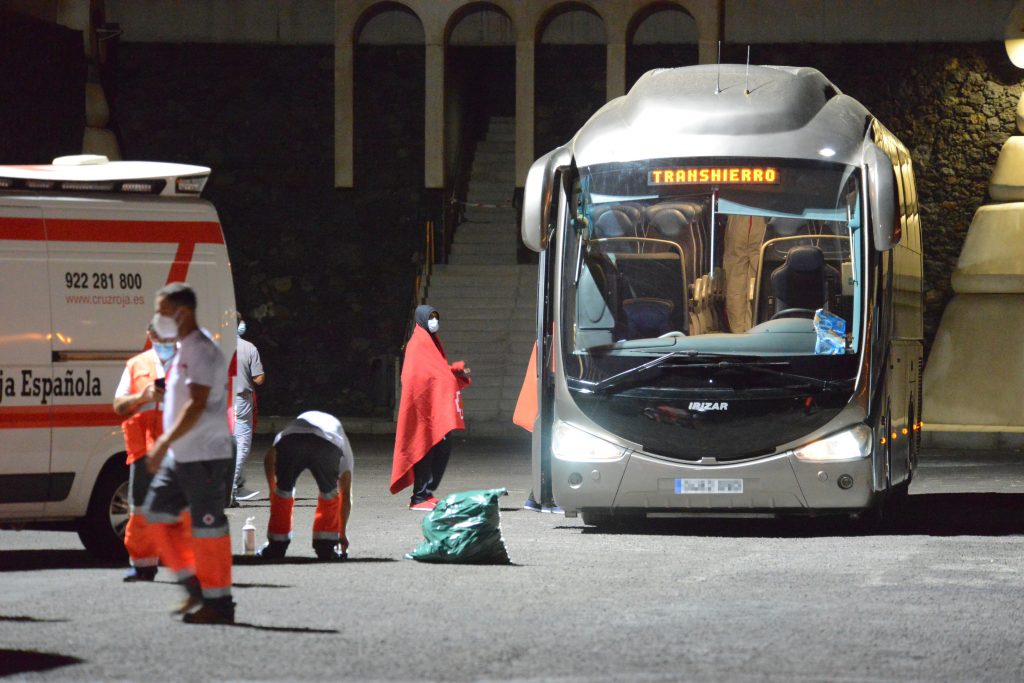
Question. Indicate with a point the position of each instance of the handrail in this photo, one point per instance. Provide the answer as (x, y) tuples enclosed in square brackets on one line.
[(422, 285)]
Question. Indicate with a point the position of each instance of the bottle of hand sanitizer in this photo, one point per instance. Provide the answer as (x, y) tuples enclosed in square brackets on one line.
[(249, 536)]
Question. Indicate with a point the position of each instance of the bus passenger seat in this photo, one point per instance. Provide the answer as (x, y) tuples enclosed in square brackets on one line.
[(802, 280), (616, 221), (647, 317)]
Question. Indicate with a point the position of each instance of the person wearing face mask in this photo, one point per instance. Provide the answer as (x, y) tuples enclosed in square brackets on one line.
[(139, 399), (430, 409), (250, 375), (193, 463)]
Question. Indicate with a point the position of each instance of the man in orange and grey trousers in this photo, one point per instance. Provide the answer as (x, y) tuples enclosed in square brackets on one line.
[(315, 441), (193, 464), (138, 398)]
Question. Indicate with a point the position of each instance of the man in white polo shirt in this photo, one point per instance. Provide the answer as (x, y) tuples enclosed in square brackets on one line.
[(193, 463)]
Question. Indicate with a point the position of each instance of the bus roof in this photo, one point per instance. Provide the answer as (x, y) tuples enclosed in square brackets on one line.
[(91, 173), (726, 110)]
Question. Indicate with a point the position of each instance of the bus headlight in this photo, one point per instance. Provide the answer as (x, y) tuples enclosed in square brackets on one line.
[(572, 443), (853, 444)]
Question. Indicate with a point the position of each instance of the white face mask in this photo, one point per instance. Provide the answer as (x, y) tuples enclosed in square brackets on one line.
[(432, 325), (241, 328), (165, 326)]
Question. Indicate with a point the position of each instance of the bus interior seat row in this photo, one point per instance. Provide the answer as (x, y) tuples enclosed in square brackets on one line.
[(652, 268), (651, 229)]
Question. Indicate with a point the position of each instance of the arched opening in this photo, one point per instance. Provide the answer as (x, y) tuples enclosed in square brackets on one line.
[(388, 90), (570, 73), (662, 35), (389, 60), (480, 62)]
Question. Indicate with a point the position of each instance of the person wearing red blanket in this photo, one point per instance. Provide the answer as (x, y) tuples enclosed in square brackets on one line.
[(430, 409)]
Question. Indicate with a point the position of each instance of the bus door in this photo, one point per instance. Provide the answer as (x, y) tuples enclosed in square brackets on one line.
[(546, 331), (25, 365)]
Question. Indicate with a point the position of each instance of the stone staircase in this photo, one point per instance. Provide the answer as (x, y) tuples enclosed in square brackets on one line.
[(487, 302)]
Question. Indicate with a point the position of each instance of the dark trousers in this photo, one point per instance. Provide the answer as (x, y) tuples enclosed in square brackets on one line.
[(429, 470)]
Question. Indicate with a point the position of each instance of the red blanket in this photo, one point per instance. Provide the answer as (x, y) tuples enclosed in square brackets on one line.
[(431, 404)]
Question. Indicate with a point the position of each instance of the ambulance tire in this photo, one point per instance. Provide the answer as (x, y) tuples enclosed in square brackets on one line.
[(102, 536)]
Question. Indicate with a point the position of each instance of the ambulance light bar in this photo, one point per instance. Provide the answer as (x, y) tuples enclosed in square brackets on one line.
[(192, 184), (154, 186), (92, 173)]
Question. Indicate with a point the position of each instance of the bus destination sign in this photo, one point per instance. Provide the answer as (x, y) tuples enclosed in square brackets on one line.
[(742, 175)]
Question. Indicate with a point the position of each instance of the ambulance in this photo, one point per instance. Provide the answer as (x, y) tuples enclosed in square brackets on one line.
[(84, 245)]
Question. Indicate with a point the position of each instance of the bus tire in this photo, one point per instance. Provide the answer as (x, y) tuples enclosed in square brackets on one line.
[(102, 528), (598, 518)]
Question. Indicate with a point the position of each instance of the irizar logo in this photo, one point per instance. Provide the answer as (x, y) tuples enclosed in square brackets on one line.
[(705, 406)]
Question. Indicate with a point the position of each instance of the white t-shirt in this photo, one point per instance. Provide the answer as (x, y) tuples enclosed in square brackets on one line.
[(325, 426), (199, 361)]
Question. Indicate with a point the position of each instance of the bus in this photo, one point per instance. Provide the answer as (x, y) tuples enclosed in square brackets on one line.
[(729, 302)]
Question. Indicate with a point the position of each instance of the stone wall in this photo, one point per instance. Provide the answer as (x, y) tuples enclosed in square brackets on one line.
[(325, 276)]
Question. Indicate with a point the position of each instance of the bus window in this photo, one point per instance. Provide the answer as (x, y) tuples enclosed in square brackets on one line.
[(663, 252)]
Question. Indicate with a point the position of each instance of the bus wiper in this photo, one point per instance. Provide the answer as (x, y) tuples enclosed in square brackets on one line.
[(607, 382), (764, 367), (716, 362)]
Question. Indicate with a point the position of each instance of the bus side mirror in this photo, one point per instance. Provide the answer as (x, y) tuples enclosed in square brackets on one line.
[(882, 198), (540, 197)]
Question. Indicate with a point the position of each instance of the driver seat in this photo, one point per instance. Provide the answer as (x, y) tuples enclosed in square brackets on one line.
[(802, 279)]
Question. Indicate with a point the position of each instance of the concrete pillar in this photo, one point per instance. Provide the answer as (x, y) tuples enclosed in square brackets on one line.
[(344, 112), (433, 114), (707, 50), (615, 66), (524, 108)]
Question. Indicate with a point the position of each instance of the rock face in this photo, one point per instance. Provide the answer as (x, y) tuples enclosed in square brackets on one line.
[(326, 276)]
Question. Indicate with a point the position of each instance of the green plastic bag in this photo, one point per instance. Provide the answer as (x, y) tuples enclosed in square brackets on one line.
[(464, 528)]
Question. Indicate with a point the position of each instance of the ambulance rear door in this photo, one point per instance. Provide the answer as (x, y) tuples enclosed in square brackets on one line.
[(24, 361)]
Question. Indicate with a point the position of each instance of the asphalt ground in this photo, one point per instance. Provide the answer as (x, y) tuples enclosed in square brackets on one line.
[(934, 597)]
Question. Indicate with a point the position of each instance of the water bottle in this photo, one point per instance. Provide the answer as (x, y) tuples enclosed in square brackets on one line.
[(249, 536)]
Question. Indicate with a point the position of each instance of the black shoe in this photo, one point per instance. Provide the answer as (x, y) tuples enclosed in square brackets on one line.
[(216, 611), (329, 551), (139, 574), (242, 493), (193, 596), (272, 550)]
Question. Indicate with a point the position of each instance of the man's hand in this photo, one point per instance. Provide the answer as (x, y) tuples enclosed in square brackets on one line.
[(344, 543), (152, 394), (156, 455)]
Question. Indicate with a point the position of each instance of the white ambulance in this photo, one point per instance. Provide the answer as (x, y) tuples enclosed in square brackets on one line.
[(84, 245)]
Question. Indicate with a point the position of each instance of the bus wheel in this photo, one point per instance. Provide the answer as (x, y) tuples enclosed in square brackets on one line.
[(102, 528), (869, 521), (598, 518)]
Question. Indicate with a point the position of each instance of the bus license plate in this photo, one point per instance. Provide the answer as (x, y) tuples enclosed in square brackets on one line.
[(690, 486)]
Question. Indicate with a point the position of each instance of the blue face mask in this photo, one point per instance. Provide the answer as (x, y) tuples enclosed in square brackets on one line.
[(241, 328), (164, 350)]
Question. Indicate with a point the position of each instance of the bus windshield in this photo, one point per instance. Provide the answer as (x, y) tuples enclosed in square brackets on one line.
[(733, 257)]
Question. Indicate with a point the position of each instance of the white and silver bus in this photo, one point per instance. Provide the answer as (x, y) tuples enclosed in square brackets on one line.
[(729, 302)]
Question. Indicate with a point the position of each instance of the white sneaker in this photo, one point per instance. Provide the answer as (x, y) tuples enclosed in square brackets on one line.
[(242, 493)]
